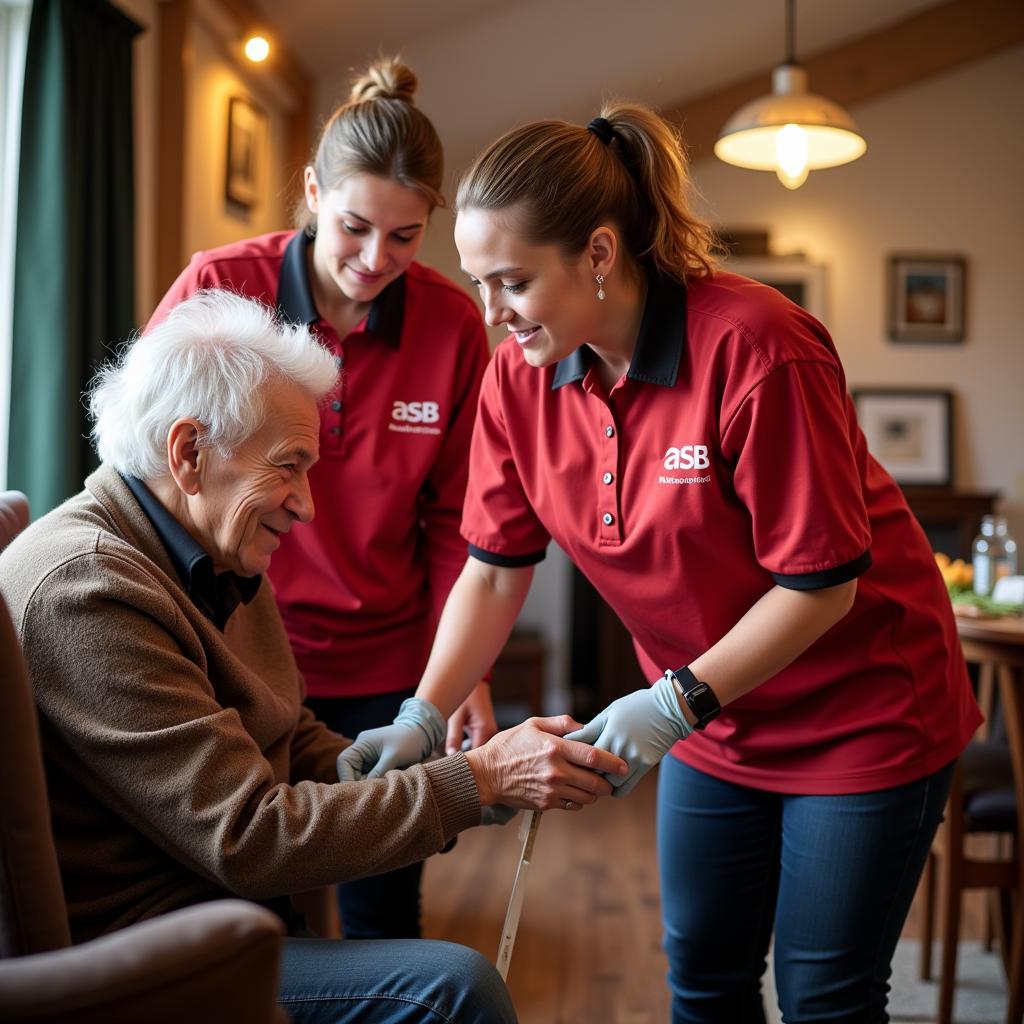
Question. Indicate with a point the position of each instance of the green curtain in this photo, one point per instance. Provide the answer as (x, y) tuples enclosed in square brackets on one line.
[(74, 271)]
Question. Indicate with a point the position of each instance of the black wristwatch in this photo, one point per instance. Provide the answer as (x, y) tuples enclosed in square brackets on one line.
[(699, 697)]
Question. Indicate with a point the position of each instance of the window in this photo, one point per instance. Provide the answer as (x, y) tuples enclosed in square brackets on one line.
[(14, 16)]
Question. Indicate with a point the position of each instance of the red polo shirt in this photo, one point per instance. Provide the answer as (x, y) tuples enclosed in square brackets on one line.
[(360, 588), (726, 461)]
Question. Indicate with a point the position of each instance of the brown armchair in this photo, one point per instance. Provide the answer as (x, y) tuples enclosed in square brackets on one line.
[(13, 516), (211, 963)]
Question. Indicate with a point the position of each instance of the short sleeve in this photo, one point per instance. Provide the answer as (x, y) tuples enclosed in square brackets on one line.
[(790, 442), (497, 519)]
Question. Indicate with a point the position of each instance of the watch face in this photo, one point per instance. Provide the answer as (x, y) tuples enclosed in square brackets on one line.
[(703, 703)]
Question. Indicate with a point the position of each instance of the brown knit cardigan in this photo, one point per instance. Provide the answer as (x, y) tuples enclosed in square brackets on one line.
[(181, 763)]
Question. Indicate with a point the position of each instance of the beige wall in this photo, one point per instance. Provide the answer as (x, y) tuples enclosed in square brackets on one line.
[(215, 72), (214, 77), (941, 175)]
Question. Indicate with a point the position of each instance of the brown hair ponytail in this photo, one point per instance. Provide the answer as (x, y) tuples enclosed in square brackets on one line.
[(566, 181)]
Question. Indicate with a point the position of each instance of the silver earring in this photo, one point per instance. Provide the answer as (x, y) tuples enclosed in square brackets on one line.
[(600, 286)]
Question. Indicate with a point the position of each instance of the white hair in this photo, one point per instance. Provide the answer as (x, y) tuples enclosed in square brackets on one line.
[(209, 359)]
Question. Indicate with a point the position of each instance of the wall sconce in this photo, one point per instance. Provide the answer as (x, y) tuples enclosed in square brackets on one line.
[(257, 48)]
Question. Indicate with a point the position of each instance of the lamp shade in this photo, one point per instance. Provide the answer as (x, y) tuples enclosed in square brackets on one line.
[(750, 137)]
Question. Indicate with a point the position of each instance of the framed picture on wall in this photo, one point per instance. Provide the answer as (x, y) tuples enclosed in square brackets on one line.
[(909, 431), (926, 298), (246, 123), (798, 280)]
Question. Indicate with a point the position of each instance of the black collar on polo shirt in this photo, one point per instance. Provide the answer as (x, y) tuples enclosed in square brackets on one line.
[(295, 295), (215, 594), (659, 345)]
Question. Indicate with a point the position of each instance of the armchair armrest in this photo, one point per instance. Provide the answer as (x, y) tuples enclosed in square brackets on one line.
[(203, 965)]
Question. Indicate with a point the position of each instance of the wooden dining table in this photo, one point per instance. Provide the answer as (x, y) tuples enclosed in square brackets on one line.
[(999, 643)]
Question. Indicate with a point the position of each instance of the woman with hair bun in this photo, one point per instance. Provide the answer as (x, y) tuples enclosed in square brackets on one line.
[(686, 436), (361, 587)]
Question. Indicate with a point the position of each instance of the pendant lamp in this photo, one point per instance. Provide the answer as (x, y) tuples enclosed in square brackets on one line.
[(791, 131)]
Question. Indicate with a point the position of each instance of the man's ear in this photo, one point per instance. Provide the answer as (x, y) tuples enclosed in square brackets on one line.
[(184, 455), (602, 250)]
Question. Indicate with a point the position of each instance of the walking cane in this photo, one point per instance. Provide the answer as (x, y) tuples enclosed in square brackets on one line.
[(528, 833)]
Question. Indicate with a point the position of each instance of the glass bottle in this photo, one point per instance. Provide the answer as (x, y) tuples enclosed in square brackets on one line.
[(993, 554)]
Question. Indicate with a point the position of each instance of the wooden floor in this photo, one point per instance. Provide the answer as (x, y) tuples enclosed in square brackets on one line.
[(588, 947), (589, 943)]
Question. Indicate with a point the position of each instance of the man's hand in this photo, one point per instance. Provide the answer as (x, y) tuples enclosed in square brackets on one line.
[(531, 765), (640, 728), (474, 715), (416, 731)]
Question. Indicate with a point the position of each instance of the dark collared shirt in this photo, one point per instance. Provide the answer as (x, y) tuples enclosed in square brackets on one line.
[(216, 595), (295, 296)]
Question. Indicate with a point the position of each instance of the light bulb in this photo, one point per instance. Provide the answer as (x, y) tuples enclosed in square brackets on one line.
[(257, 49), (791, 155)]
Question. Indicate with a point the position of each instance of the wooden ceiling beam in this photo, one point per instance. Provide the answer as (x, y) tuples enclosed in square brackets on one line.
[(928, 43)]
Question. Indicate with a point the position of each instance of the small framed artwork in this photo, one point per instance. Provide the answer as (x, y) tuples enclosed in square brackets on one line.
[(798, 280), (909, 431), (244, 151), (926, 298)]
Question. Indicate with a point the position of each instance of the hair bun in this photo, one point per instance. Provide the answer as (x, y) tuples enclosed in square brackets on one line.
[(386, 79)]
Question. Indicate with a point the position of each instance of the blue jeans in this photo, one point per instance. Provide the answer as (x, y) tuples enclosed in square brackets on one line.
[(400, 981), (383, 906), (834, 876)]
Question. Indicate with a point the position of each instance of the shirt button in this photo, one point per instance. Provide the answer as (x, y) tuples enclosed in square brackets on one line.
[(607, 478), (339, 361), (607, 519), (609, 431), (336, 406), (335, 431)]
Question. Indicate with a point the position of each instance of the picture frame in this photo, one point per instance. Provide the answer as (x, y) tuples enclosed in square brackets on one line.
[(926, 298), (909, 431), (799, 280), (245, 141)]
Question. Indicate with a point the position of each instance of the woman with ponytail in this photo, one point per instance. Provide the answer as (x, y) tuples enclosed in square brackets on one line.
[(686, 436), (361, 587)]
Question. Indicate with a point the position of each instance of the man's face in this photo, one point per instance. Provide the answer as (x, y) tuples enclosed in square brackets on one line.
[(244, 503)]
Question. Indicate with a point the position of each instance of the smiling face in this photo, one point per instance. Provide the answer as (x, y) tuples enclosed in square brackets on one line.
[(368, 230), (546, 299), (242, 504)]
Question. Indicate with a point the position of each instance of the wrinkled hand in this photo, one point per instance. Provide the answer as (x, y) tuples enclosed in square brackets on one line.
[(416, 731), (474, 715), (531, 765), (640, 728)]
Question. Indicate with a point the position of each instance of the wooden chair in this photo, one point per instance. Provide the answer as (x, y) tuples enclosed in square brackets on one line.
[(987, 797)]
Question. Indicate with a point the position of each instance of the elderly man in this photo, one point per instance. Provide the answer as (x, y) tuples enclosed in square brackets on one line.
[(182, 765)]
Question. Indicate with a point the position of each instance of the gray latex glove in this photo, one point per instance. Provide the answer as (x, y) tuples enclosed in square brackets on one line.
[(640, 728), (416, 731)]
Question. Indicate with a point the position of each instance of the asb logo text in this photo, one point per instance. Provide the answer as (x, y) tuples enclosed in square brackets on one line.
[(687, 456), (415, 412)]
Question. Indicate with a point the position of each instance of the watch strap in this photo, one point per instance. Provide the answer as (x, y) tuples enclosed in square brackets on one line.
[(699, 697)]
